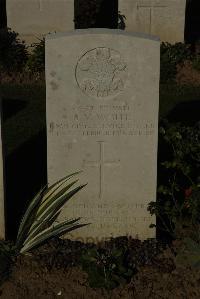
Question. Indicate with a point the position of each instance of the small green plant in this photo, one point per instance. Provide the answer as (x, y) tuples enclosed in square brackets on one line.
[(189, 253), (170, 56), (196, 62), (178, 52), (106, 268), (178, 202), (36, 60), (13, 52), (37, 225)]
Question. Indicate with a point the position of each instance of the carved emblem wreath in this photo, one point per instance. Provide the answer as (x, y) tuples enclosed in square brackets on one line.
[(101, 73)]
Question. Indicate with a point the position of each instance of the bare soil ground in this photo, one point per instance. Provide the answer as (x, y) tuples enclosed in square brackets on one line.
[(48, 274)]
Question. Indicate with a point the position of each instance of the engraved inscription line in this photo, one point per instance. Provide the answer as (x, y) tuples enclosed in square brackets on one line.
[(100, 164)]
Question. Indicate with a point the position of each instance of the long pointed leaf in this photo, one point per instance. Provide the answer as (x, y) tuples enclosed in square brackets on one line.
[(32, 204), (50, 236), (51, 232), (66, 222), (57, 185), (41, 225), (26, 221), (56, 205), (37, 223), (50, 211), (44, 205)]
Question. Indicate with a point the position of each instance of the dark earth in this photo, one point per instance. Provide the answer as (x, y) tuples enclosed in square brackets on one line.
[(54, 270)]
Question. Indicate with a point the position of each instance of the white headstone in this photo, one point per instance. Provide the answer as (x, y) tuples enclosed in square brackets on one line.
[(32, 19), (102, 118), (164, 18), (2, 220)]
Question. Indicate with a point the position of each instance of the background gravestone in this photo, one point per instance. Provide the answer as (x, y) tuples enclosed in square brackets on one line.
[(164, 18), (34, 18), (2, 224), (102, 115)]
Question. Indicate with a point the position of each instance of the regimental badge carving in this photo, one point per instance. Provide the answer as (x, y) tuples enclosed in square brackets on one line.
[(101, 73)]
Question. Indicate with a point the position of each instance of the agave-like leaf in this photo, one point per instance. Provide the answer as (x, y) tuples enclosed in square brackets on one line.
[(52, 198), (56, 203), (67, 222), (51, 232), (53, 188), (27, 219), (37, 224), (53, 207), (40, 225)]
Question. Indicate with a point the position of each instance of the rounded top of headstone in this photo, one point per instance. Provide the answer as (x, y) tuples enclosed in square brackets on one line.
[(106, 31)]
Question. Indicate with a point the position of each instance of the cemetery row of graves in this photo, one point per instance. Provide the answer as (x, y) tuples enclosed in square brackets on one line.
[(110, 120)]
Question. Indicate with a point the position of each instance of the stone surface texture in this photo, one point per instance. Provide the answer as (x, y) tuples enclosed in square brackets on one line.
[(32, 19), (164, 18), (102, 118), (2, 224)]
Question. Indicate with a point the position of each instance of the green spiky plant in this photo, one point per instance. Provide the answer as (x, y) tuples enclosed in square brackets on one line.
[(38, 223)]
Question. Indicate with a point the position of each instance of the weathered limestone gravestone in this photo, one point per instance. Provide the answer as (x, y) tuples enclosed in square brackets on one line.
[(102, 115), (34, 18), (2, 224), (164, 18)]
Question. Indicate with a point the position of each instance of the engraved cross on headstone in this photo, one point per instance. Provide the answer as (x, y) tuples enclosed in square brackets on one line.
[(151, 9), (100, 164)]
